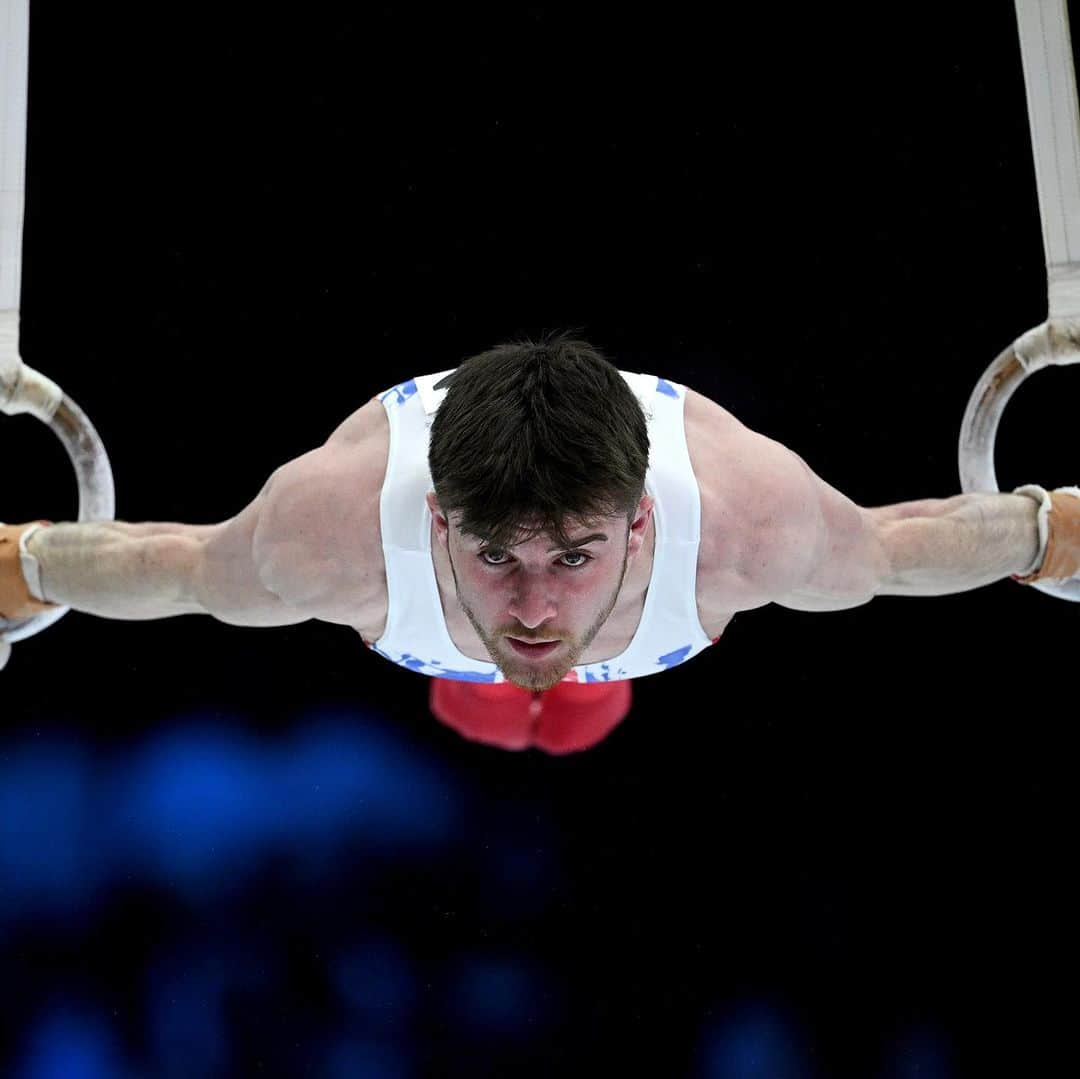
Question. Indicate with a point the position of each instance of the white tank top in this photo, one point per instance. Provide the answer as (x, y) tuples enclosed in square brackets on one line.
[(416, 635)]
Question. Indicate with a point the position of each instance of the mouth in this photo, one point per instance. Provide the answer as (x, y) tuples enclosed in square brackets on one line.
[(533, 651)]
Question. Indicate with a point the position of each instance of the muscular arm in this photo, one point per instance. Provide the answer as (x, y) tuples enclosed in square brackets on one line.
[(819, 551), (931, 547), (296, 552), (116, 569), (936, 547), (233, 571)]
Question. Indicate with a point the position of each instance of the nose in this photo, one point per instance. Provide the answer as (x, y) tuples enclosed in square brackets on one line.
[(532, 604)]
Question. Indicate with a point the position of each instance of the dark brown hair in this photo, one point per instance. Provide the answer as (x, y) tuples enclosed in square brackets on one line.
[(536, 436)]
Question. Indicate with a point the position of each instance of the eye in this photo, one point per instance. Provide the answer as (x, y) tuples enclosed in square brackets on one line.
[(495, 551), (577, 554)]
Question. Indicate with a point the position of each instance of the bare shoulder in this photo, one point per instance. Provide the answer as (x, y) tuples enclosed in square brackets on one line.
[(367, 424), (755, 497), (319, 541)]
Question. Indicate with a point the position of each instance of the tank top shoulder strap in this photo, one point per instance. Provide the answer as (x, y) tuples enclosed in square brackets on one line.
[(430, 397)]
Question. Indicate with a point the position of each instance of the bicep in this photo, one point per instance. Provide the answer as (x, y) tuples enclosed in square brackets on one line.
[(297, 550), (229, 580), (804, 544), (309, 541)]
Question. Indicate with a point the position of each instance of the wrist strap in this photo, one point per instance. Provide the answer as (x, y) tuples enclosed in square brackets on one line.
[(1042, 497), (31, 568)]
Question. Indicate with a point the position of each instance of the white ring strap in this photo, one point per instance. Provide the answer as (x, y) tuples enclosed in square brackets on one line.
[(22, 389), (1050, 82), (14, 40)]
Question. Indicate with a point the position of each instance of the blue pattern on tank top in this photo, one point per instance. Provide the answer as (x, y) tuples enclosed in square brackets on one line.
[(673, 659), (404, 391), (433, 668)]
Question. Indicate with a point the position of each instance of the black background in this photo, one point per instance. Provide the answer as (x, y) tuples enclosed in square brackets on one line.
[(243, 222)]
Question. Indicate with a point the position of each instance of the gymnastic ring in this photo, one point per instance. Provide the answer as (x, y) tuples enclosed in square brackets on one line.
[(24, 390), (1054, 343)]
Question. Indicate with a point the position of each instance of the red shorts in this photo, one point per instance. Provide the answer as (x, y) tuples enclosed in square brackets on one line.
[(565, 719)]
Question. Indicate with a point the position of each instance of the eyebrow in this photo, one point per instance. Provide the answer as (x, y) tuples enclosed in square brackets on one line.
[(581, 542)]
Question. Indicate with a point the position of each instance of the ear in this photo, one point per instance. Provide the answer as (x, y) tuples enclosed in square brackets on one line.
[(442, 525), (639, 527)]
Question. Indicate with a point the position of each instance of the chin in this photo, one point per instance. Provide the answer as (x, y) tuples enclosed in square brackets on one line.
[(536, 680)]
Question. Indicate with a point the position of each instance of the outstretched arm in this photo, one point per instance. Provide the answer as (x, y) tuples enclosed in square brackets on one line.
[(931, 547), (121, 570), (140, 571), (822, 552)]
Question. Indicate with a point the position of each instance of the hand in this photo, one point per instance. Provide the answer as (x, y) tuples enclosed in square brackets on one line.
[(16, 602), (1059, 523)]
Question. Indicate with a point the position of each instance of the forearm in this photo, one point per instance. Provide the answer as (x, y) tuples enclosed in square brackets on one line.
[(936, 547), (119, 570)]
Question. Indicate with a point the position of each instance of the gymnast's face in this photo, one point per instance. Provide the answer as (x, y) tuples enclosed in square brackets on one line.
[(537, 592)]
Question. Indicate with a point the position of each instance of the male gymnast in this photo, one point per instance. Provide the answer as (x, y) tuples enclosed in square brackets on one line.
[(533, 529)]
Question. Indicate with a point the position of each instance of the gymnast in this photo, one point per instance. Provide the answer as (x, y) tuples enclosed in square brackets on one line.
[(532, 530)]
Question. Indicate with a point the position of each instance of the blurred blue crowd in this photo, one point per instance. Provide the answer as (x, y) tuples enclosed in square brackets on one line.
[(236, 838)]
